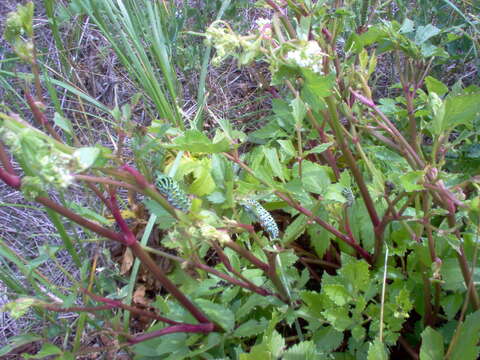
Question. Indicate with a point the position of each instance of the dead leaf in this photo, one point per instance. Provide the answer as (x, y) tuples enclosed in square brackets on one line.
[(127, 261), (139, 296)]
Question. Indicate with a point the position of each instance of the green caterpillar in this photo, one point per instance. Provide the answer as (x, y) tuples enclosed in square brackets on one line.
[(255, 209), (173, 193)]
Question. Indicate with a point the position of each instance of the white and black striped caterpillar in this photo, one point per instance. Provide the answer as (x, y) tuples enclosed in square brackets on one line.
[(173, 193), (348, 195), (255, 209)]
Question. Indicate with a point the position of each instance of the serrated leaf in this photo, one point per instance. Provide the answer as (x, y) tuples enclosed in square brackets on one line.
[(287, 146), (337, 293), (302, 351), (217, 313), (436, 86), (315, 177), (356, 273), (410, 180), (250, 328), (164, 219), (466, 347), (295, 229), (197, 142), (18, 341), (63, 123), (338, 317), (86, 156), (424, 33), (327, 339), (18, 307), (319, 148), (46, 350), (377, 351), (299, 110), (318, 85), (272, 158), (432, 345)]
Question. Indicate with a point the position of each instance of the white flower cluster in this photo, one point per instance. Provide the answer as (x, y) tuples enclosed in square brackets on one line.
[(264, 26), (49, 165), (309, 56), (56, 169)]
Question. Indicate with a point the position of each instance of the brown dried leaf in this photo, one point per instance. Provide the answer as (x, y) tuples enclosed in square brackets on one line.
[(139, 296), (127, 261)]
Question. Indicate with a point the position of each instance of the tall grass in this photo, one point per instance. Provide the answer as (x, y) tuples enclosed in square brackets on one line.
[(142, 34)]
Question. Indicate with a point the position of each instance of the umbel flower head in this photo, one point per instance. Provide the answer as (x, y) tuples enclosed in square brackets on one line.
[(42, 161), (307, 55)]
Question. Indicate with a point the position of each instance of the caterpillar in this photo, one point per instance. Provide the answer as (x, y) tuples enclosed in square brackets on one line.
[(173, 193), (266, 220), (348, 194)]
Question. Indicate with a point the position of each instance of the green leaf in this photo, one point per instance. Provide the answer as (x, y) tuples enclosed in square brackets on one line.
[(295, 229), (46, 350), (338, 317), (461, 110), (319, 148), (203, 183), (164, 219), (432, 345), (318, 85), (217, 313), (466, 347), (18, 341), (19, 307), (436, 86), (356, 272), (407, 26), (327, 339), (302, 351), (250, 328), (315, 178), (337, 293), (287, 147), (410, 180), (63, 123), (424, 33), (299, 110), (272, 158), (196, 141), (377, 351), (86, 156)]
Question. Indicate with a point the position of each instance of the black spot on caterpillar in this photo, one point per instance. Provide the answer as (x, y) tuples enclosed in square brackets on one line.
[(173, 193), (263, 216)]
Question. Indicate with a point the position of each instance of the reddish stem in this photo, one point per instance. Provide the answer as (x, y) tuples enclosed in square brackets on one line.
[(183, 328), (10, 179), (118, 304), (41, 118), (128, 236), (5, 159)]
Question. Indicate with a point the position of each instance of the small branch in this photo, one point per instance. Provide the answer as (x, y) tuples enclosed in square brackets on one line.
[(41, 118), (10, 179), (149, 189), (184, 328), (247, 255), (128, 236), (148, 262), (5, 159), (118, 304), (100, 230), (106, 181)]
